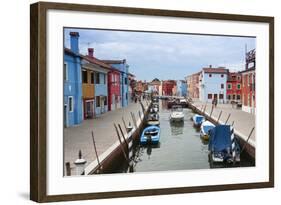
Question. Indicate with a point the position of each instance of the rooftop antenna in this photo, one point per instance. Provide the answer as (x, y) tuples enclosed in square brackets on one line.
[(246, 56)]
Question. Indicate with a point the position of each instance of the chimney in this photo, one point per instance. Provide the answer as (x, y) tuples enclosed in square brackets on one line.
[(74, 42), (210, 66), (91, 52)]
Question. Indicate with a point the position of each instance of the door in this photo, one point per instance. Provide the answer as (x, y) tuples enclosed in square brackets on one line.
[(102, 104), (65, 118), (89, 109)]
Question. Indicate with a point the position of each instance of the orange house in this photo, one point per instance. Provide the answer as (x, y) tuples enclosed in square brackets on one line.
[(88, 92)]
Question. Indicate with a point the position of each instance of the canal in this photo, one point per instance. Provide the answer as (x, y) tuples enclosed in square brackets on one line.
[(180, 147)]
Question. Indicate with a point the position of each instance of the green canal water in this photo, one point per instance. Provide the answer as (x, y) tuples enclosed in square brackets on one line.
[(180, 147)]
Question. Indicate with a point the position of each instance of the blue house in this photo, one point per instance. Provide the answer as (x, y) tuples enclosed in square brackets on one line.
[(212, 84), (72, 85), (181, 88), (100, 72), (123, 67)]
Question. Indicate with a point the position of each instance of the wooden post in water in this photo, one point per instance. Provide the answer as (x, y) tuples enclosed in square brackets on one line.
[(232, 123), (122, 148), (205, 108), (227, 118), (212, 111), (123, 135), (135, 124), (247, 140), (124, 124), (219, 116), (97, 156), (140, 115), (68, 170)]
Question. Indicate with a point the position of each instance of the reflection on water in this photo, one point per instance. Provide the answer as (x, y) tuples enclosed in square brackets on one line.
[(180, 147), (176, 128)]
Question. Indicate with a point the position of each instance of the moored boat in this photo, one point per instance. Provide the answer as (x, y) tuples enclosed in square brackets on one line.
[(150, 135), (198, 120), (177, 114), (153, 119), (206, 126), (223, 145)]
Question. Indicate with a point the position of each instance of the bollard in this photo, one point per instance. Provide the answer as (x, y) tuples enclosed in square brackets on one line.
[(80, 164), (68, 170)]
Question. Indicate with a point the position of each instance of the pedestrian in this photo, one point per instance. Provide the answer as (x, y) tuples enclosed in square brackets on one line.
[(216, 102)]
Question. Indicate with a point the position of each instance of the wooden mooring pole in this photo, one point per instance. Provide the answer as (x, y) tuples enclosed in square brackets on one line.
[(68, 170), (124, 124), (247, 139), (123, 135), (122, 148), (227, 118), (97, 156), (219, 116)]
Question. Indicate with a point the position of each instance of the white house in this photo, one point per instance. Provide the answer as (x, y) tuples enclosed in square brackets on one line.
[(212, 84)]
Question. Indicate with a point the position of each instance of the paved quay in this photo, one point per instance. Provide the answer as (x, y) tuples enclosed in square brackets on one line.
[(243, 121), (80, 137)]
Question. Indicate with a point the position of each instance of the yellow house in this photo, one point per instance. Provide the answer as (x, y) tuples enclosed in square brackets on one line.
[(88, 92)]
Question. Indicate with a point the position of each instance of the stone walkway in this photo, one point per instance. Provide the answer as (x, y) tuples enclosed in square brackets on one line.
[(80, 138), (243, 121)]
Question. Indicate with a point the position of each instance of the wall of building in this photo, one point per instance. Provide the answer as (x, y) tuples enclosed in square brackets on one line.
[(212, 85), (73, 87), (101, 90)]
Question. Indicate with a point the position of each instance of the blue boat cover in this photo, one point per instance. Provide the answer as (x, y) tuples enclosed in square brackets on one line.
[(207, 128), (220, 138), (199, 119)]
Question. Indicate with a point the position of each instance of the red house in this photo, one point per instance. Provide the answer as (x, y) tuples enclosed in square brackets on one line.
[(114, 92), (249, 83), (168, 86), (234, 87)]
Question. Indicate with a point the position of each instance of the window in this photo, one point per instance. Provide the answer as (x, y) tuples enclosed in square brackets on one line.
[(238, 86), (126, 96), (70, 103), (234, 97), (92, 77), (97, 78), (126, 81), (105, 100), (104, 79), (210, 96), (221, 96), (229, 97), (98, 101), (65, 71), (210, 75), (84, 76), (229, 86), (112, 78), (238, 77), (222, 86), (238, 97), (222, 75)]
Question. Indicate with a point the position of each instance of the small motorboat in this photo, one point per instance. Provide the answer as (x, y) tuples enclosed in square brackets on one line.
[(150, 135), (177, 114), (183, 103), (198, 120), (153, 119), (223, 145), (206, 126), (155, 107)]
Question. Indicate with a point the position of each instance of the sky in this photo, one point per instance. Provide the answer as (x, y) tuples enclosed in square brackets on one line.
[(164, 55)]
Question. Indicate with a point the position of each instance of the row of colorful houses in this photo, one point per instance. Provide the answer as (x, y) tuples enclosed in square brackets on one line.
[(226, 87), (92, 86), (163, 88)]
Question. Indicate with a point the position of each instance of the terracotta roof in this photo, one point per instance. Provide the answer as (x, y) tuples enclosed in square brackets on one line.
[(97, 62), (69, 51), (114, 61), (215, 70)]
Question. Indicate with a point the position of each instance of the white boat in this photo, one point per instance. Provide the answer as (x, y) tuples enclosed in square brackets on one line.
[(206, 126), (177, 114)]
